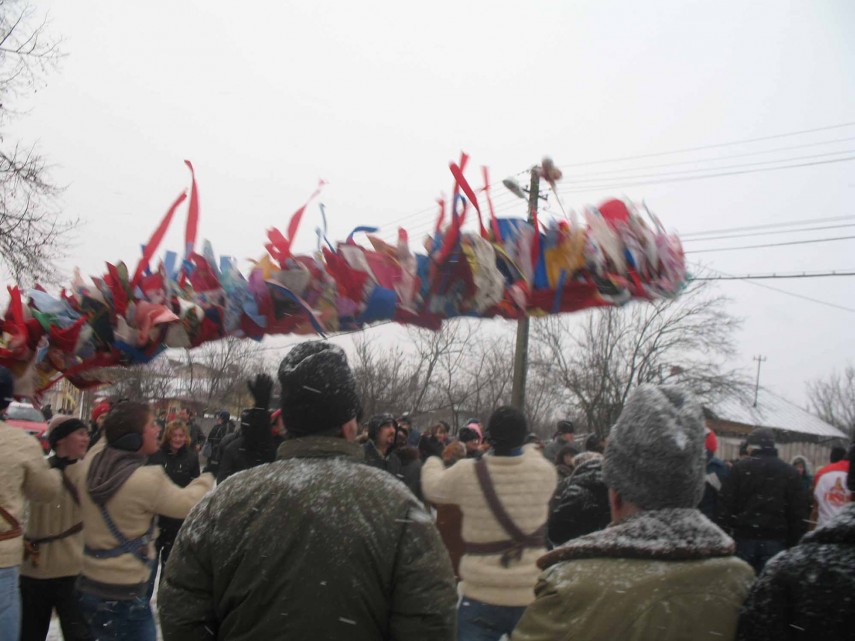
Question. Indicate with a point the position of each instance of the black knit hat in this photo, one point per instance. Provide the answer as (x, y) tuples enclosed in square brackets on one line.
[(506, 428), (566, 427), (761, 438), (61, 426), (318, 389)]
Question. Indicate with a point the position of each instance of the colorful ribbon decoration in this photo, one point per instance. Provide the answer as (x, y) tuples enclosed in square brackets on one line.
[(510, 269)]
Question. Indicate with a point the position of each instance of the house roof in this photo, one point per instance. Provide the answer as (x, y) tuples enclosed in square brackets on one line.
[(775, 412)]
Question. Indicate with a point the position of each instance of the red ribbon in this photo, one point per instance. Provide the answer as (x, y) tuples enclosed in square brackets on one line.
[(280, 246), (494, 223), (155, 240), (192, 213), (460, 179)]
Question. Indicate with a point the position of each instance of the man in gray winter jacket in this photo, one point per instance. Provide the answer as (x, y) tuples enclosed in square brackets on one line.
[(316, 545)]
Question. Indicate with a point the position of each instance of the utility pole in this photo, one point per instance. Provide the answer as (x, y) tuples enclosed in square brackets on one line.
[(760, 359), (521, 352)]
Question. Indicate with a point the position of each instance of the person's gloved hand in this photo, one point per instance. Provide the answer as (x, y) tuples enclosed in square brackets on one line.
[(261, 387)]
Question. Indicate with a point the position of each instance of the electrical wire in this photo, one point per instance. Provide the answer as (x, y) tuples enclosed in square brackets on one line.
[(781, 291), (789, 223), (570, 181), (713, 146), (776, 276), (785, 244), (765, 233), (692, 161), (702, 177)]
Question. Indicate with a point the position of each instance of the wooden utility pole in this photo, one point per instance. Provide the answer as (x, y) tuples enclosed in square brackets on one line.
[(759, 358), (521, 352)]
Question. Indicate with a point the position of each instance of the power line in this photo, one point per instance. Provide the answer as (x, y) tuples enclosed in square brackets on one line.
[(792, 242), (790, 223), (782, 291), (702, 177), (776, 276), (739, 166), (713, 146), (765, 233), (717, 158)]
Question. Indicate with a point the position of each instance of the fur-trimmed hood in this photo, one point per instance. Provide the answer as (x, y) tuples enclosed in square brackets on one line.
[(678, 534)]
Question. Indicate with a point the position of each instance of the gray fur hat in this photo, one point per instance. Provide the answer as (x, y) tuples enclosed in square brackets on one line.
[(655, 452)]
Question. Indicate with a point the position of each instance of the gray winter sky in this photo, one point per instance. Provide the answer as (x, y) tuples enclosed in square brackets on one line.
[(377, 98)]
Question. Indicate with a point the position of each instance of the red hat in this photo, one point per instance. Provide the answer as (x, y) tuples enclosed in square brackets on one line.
[(100, 409), (711, 441)]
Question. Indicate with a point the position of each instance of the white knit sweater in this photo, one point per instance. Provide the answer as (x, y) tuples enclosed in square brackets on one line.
[(524, 485)]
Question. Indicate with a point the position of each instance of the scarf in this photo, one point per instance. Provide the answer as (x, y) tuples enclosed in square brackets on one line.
[(109, 470)]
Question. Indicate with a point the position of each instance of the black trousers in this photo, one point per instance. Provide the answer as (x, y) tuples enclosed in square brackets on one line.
[(39, 597)]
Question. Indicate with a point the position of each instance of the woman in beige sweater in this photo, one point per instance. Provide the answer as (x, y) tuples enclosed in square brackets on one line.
[(53, 543), (120, 498)]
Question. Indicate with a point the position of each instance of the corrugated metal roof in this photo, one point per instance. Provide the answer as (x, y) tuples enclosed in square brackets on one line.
[(776, 412)]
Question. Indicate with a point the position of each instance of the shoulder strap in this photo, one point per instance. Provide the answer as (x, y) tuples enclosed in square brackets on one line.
[(137, 547), (71, 489), (16, 531), (495, 504)]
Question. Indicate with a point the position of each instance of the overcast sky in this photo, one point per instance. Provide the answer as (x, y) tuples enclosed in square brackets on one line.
[(377, 98)]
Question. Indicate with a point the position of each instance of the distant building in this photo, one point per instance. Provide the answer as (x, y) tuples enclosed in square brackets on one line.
[(797, 431)]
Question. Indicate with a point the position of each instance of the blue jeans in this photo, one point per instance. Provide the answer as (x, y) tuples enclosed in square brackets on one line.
[(10, 604), (757, 552), (477, 621), (129, 620)]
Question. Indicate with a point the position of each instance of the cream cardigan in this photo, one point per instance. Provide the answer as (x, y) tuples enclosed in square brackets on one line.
[(524, 485)]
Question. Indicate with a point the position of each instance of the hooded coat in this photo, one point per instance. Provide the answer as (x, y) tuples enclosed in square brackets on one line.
[(663, 574), (316, 545), (806, 592)]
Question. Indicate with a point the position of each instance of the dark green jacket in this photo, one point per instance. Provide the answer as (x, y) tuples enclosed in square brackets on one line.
[(316, 545)]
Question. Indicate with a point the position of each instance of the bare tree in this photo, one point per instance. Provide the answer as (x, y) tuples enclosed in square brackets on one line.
[(597, 365), (32, 233), (154, 380), (383, 375), (216, 372), (465, 369), (833, 399)]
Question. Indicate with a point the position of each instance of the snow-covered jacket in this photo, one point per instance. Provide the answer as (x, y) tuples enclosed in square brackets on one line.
[(663, 574), (806, 592), (524, 485), (316, 545), (24, 474)]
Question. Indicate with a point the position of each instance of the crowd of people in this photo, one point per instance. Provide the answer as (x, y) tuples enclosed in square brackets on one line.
[(312, 521)]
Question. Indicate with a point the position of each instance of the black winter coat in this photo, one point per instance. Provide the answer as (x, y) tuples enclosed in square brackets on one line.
[(316, 545), (181, 467), (391, 463), (807, 592), (580, 504), (411, 469), (763, 499), (253, 446)]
